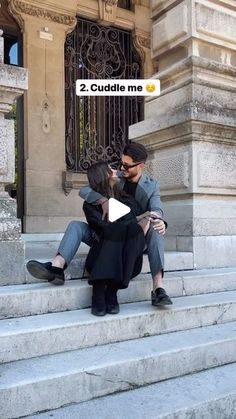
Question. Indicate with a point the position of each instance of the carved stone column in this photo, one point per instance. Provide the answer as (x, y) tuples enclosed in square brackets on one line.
[(13, 82), (190, 129)]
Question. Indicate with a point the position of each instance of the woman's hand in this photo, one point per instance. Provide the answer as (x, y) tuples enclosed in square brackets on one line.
[(104, 202), (144, 215), (144, 224)]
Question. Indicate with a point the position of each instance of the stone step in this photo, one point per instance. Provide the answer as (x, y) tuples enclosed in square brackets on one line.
[(207, 394), (49, 382), (39, 298), (43, 247), (58, 332), (43, 237), (174, 261)]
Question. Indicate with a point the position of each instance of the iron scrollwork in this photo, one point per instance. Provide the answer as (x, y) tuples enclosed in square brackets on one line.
[(97, 127)]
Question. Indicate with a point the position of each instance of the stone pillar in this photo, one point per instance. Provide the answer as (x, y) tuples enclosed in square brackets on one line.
[(44, 28), (13, 81), (190, 129)]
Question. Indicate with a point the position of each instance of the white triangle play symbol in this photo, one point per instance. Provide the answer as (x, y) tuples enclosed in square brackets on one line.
[(117, 209)]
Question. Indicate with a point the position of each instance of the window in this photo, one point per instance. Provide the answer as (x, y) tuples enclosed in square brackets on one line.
[(125, 4), (97, 127)]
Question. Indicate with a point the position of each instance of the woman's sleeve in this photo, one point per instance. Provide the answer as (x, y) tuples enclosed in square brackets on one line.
[(106, 230), (94, 217)]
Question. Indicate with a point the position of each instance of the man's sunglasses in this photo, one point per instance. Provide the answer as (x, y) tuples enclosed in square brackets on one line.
[(128, 166)]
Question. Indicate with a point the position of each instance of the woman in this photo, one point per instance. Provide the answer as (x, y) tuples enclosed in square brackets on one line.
[(116, 255)]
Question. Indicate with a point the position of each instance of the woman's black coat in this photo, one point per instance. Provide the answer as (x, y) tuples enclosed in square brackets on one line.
[(118, 252)]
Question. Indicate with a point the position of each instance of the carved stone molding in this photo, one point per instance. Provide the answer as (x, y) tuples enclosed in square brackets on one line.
[(107, 11), (15, 13), (110, 2), (144, 41), (6, 19), (17, 7), (141, 41), (136, 2), (72, 181)]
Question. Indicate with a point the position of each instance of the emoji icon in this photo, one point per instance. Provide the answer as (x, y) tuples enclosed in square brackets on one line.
[(150, 87)]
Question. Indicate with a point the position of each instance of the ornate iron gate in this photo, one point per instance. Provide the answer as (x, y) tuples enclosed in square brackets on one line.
[(97, 127)]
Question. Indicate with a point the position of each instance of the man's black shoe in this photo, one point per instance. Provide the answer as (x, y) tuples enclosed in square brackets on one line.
[(40, 270), (46, 271), (160, 298)]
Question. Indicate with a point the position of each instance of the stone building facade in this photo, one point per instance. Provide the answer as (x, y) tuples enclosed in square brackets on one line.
[(190, 129), (50, 191)]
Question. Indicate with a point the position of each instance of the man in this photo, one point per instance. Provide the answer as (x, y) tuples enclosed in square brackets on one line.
[(147, 193)]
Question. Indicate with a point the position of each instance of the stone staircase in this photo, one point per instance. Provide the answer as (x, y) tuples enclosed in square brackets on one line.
[(176, 362)]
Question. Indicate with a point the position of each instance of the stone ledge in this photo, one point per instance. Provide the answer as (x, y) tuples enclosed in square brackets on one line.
[(71, 180), (13, 77), (198, 62), (157, 133), (77, 329), (39, 298)]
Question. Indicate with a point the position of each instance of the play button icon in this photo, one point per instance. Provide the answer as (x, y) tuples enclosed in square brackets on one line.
[(116, 209)]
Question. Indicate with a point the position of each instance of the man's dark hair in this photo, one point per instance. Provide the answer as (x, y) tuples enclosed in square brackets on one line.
[(136, 151)]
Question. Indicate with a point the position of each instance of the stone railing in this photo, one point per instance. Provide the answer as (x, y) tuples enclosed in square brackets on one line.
[(13, 82)]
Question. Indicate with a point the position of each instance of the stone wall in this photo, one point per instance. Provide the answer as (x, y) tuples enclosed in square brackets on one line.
[(190, 129)]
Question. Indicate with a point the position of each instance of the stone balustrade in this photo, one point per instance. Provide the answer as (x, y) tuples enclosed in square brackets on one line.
[(13, 82)]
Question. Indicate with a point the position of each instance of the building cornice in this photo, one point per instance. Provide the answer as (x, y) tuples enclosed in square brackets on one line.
[(18, 7)]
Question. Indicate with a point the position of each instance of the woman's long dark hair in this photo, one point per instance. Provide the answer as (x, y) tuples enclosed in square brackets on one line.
[(98, 177)]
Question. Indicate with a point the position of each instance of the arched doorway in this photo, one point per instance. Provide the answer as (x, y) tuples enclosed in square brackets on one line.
[(13, 55)]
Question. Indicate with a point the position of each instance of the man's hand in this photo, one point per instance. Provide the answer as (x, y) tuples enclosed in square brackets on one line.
[(159, 226), (155, 214), (158, 223)]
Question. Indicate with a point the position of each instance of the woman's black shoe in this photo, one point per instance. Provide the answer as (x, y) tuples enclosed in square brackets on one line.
[(97, 310), (98, 300), (113, 308), (112, 305)]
